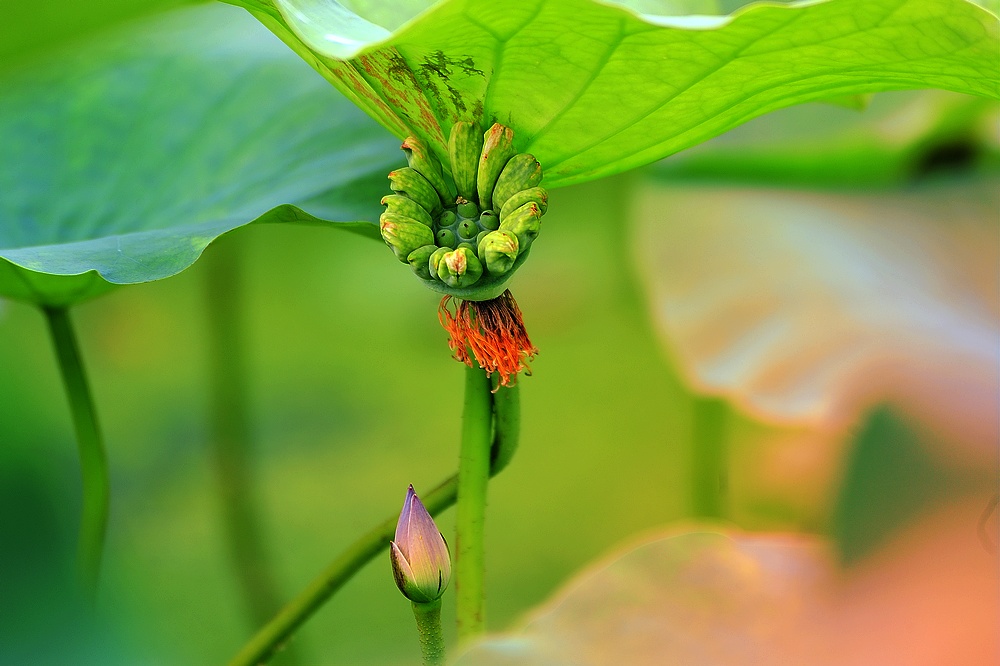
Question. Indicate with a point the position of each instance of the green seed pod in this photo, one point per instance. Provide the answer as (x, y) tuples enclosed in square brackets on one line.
[(435, 260), (467, 229), (419, 157), (418, 260), (464, 146), (522, 172), (518, 199), (460, 268), (404, 234), (498, 250), (489, 220), (400, 205), (447, 219), (525, 222), (467, 209), (446, 238), (498, 148), (407, 181)]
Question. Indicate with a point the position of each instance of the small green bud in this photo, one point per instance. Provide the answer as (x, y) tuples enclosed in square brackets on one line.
[(435, 260), (419, 157), (447, 219), (400, 205), (409, 182), (479, 239), (518, 199), (421, 563), (464, 147), (498, 250), (489, 220), (525, 223), (468, 246), (419, 261), (404, 234), (467, 209), (467, 229), (446, 238), (460, 268), (498, 148), (522, 172)]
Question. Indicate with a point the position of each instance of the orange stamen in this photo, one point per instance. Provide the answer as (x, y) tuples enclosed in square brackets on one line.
[(493, 330)]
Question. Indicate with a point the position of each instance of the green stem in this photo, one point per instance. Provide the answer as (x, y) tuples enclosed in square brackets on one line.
[(295, 613), (231, 439), (93, 463), (429, 632), (470, 511), (709, 457)]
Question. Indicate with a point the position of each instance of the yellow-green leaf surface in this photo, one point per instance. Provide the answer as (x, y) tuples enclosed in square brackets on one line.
[(593, 88), (121, 162)]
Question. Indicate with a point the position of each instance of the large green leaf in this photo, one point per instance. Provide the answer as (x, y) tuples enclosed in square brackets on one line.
[(593, 89), (124, 166)]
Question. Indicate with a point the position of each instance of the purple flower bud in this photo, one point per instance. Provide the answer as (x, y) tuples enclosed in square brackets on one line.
[(421, 563)]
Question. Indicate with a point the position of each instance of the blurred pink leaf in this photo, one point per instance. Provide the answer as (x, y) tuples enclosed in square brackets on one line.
[(728, 598), (808, 308)]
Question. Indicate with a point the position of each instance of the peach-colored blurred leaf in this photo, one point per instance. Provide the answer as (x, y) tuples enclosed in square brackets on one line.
[(725, 598), (807, 308)]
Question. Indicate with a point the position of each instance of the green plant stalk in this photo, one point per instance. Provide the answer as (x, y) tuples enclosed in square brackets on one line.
[(231, 446), (709, 457), (295, 613), (93, 462), (470, 510), (429, 632)]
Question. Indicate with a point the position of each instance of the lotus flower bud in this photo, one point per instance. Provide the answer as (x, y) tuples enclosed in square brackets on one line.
[(435, 260), (522, 172), (498, 148), (464, 147), (419, 157), (467, 209), (409, 182), (489, 220), (535, 194), (498, 251), (460, 268), (446, 238), (421, 563), (418, 260), (400, 205), (525, 223), (404, 234)]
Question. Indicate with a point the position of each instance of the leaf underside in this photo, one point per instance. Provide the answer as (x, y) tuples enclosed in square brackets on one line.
[(593, 89)]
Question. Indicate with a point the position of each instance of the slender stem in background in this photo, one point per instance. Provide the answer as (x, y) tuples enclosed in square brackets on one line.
[(259, 649), (231, 438), (430, 633), (93, 462), (709, 457), (470, 510)]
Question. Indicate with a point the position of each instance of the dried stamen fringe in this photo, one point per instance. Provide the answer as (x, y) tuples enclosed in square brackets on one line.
[(493, 330)]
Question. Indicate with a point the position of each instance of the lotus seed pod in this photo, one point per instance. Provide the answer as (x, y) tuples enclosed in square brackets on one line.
[(498, 251), (435, 260), (489, 220), (460, 268), (525, 222), (410, 183), (447, 219), (467, 229), (498, 148), (464, 147), (446, 238), (467, 209), (521, 173), (418, 260), (419, 157), (400, 205), (518, 199), (404, 234)]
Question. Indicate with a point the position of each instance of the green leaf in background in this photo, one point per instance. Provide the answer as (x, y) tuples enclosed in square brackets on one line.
[(121, 163), (593, 89)]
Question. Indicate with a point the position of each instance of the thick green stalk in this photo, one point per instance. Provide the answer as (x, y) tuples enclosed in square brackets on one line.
[(709, 457), (231, 436), (93, 462), (470, 511), (429, 632), (294, 614)]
